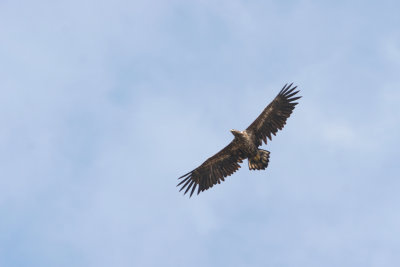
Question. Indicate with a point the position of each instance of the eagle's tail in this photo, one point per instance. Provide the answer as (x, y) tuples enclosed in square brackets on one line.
[(259, 161)]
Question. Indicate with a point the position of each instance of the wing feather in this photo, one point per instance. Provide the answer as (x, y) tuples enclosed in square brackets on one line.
[(214, 169), (274, 116)]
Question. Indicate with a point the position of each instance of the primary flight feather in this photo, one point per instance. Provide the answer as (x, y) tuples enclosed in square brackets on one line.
[(244, 145)]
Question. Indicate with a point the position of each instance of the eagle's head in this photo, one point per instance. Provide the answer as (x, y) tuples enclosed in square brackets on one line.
[(236, 133)]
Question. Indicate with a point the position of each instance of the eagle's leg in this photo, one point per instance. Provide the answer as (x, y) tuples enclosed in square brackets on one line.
[(259, 161)]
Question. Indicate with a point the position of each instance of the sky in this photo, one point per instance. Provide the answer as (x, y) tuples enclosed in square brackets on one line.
[(104, 104)]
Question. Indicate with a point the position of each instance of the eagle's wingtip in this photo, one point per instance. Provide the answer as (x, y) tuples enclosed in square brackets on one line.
[(286, 88)]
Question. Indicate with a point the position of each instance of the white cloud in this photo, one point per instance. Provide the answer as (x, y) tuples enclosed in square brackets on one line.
[(340, 134), (391, 49)]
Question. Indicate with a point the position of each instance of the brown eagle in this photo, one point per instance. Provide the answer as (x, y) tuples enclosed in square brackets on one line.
[(244, 145)]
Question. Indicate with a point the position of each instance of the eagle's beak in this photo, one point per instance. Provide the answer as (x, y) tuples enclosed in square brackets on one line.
[(234, 132)]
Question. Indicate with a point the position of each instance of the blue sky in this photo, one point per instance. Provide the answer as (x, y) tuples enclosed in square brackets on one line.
[(103, 104)]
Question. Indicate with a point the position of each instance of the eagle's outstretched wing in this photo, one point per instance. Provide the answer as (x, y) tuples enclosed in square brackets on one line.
[(214, 169), (274, 115)]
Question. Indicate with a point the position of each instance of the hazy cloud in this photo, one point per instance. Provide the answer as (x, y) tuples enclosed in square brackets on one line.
[(103, 105)]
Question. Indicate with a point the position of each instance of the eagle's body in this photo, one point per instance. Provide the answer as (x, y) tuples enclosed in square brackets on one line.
[(246, 141), (244, 145)]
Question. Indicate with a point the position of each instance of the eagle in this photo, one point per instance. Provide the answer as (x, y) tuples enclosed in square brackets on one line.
[(244, 145)]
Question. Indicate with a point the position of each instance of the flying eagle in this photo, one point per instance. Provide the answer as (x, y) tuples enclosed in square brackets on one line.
[(244, 145)]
